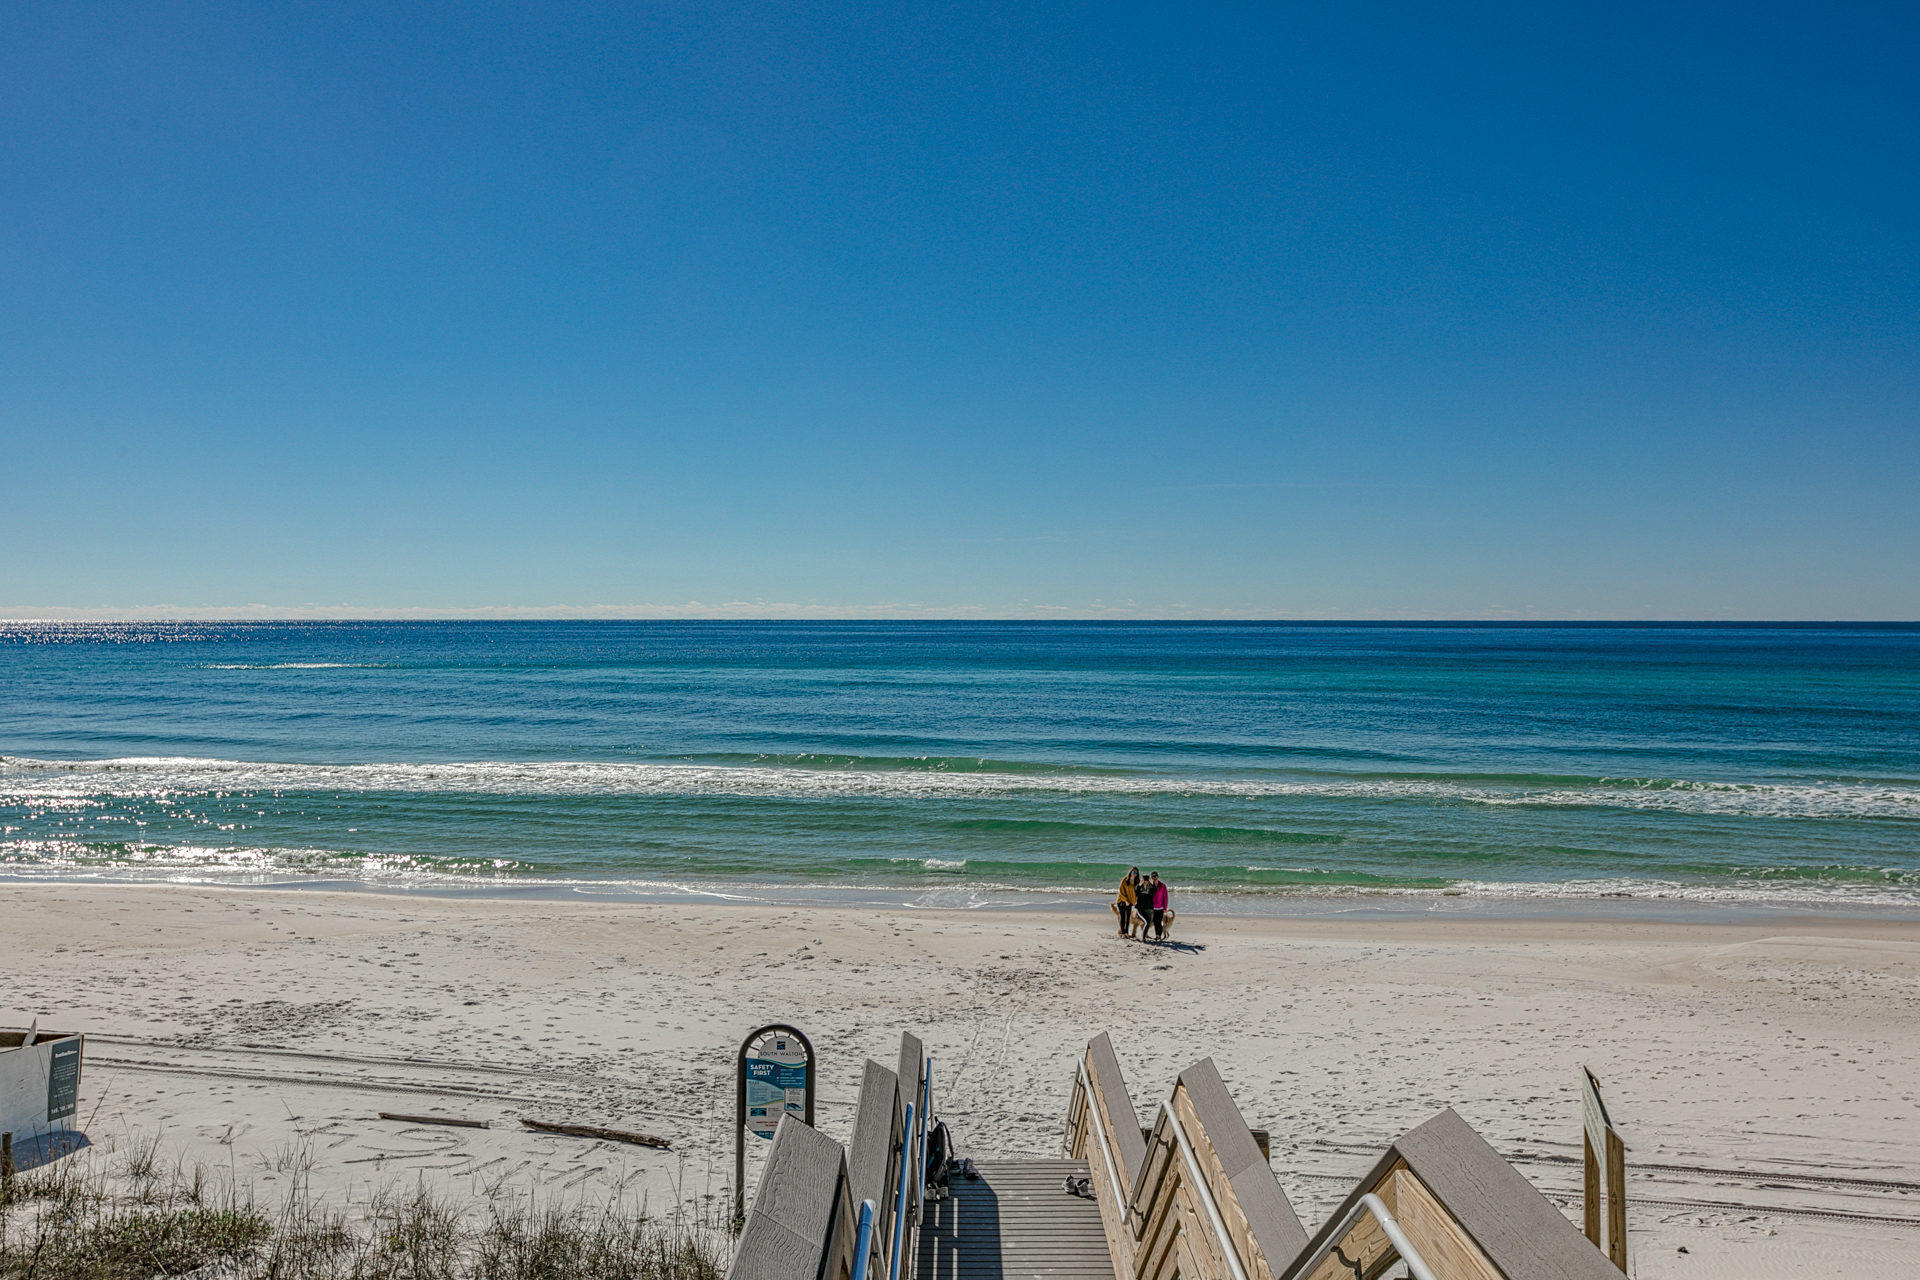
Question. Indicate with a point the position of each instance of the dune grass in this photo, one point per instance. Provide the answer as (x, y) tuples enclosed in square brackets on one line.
[(60, 1224), (136, 1222)]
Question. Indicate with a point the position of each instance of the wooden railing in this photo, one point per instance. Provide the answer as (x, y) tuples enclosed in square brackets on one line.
[(873, 1156), (1459, 1208), (804, 1222), (824, 1212), (1193, 1197), (1196, 1198), (1104, 1130)]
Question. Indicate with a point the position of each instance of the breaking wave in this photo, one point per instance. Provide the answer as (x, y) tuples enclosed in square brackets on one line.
[(25, 779), (294, 666), (920, 880)]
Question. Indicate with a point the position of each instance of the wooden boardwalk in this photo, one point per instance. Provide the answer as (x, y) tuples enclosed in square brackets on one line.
[(1017, 1222)]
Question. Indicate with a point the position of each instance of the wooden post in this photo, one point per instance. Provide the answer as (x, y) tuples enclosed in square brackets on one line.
[(1616, 1200), (6, 1167), (1591, 1169), (1604, 1166)]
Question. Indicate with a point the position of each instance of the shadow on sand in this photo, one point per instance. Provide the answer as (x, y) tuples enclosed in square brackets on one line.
[(31, 1153)]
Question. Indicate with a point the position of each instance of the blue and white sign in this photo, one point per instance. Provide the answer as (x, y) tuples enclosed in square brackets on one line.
[(776, 1083)]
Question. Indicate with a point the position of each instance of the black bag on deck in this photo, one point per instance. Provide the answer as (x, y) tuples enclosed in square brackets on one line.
[(939, 1155)]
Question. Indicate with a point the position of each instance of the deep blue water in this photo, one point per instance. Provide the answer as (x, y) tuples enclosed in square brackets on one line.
[(1777, 763)]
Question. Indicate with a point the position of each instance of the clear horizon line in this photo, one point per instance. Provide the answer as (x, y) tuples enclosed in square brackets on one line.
[(695, 611)]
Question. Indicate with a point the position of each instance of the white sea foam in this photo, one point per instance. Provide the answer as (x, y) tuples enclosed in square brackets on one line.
[(292, 666), (63, 861), (930, 864), (1734, 889), (151, 777), (229, 864)]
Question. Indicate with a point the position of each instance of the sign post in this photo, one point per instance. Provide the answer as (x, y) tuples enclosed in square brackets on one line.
[(1604, 1164), (774, 1077)]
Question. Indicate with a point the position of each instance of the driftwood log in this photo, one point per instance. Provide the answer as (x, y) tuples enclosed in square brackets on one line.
[(596, 1131), (452, 1120)]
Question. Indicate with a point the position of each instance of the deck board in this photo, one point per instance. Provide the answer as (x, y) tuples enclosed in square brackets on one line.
[(1016, 1222)]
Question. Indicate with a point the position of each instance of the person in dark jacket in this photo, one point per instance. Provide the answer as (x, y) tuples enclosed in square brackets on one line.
[(1150, 893)]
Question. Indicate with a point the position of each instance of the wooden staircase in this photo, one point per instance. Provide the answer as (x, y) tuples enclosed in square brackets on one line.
[(1189, 1196)]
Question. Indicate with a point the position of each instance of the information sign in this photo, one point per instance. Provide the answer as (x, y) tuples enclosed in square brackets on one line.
[(63, 1080), (776, 1083)]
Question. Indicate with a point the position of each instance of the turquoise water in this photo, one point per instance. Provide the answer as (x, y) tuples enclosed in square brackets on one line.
[(938, 760)]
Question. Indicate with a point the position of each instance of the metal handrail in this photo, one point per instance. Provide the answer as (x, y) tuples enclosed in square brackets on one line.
[(863, 1241), (1206, 1194), (1370, 1203), (900, 1200), (1100, 1135), (920, 1150)]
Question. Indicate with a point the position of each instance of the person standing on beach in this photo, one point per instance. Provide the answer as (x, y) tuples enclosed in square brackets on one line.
[(1149, 918), (1159, 900), (1128, 899)]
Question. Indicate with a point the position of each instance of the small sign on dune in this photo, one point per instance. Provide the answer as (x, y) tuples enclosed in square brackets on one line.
[(39, 1082)]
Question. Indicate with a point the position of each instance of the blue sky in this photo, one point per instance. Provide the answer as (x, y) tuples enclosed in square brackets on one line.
[(1329, 311)]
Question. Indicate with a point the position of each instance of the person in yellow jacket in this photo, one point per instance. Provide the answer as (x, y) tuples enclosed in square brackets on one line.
[(1129, 898)]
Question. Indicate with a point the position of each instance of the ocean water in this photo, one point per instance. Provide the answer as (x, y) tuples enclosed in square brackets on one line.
[(958, 762)]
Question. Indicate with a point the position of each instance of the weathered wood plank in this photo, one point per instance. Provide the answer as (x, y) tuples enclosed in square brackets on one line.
[(912, 1070), (1158, 1213), (1616, 1200), (1590, 1187), (1516, 1228), (1440, 1239), (800, 1225), (876, 1133), (1118, 1113), (1252, 1198), (913, 1066)]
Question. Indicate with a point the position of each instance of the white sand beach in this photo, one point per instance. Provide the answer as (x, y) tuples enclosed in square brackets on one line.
[(1763, 1073)]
